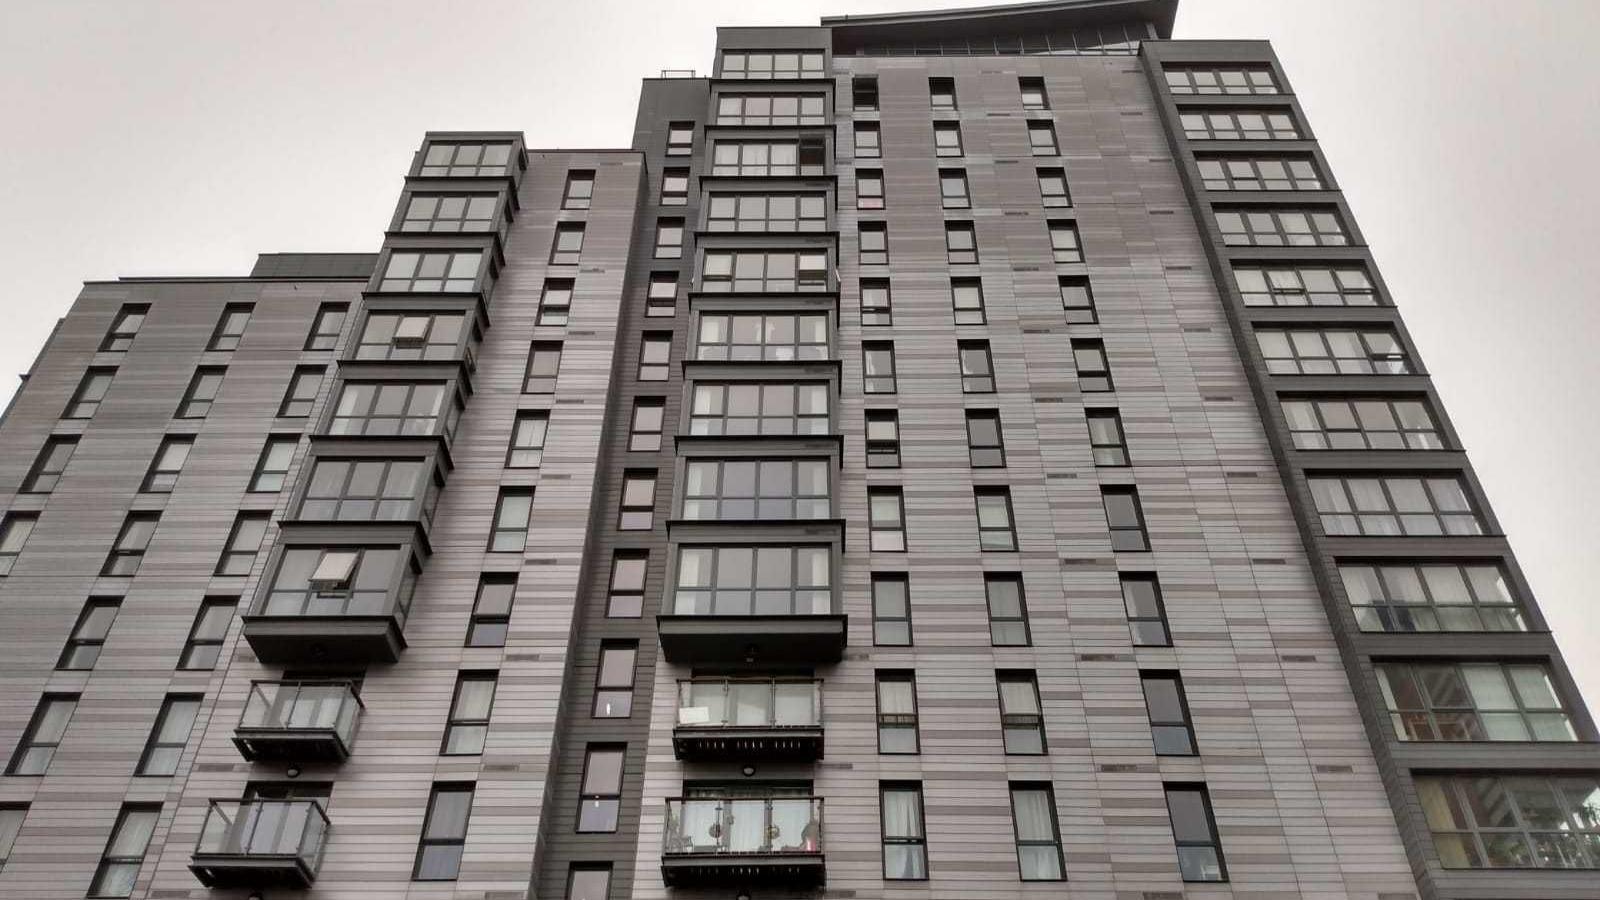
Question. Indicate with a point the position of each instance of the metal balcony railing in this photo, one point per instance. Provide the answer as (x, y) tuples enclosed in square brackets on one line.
[(260, 842), (750, 703), (757, 826)]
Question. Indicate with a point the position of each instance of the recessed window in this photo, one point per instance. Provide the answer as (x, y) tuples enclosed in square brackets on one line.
[(1106, 439), (1170, 728), (1033, 93), (132, 540), (883, 439), (613, 681), (527, 440), (1240, 125), (1147, 616), (327, 326), (874, 238), (1485, 821), (202, 392), (1375, 423), (1042, 138), (580, 189), (126, 325), (1435, 596), (1291, 285), (467, 730), (89, 634), (942, 93), (1409, 505), (625, 597), (718, 581), (567, 248), (775, 271), (397, 408), (756, 213), (1281, 228), (167, 465), (1206, 80), (661, 298), (1333, 351), (466, 160), (511, 515), (555, 302), (589, 881), (985, 447), (756, 489), (244, 542), (1021, 716), (45, 730), (302, 393), (680, 138), (772, 109), (12, 816), (432, 271), (210, 628), (1064, 245), (1259, 174), (1125, 518), (644, 432), (600, 799), (947, 139), (638, 502), (766, 408), (164, 750), (886, 513), (118, 872), (977, 367), (450, 213), (997, 529), (864, 93), (877, 367), (669, 239), (806, 156), (272, 468), (774, 337), (1053, 188), (905, 841), (1008, 611), (1077, 300), (966, 296), (960, 244), (91, 391), (877, 305), (444, 832), (868, 142), (230, 328), (897, 712), (1089, 358), (14, 535), (1033, 816), (675, 187), (869, 189), (544, 364), (891, 610), (51, 464), (1473, 701), (1195, 832), (953, 193), (655, 355), (491, 609)]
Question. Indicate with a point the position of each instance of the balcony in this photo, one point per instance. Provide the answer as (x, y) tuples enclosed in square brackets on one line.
[(333, 604), (726, 719), (298, 720), (727, 842), (260, 843)]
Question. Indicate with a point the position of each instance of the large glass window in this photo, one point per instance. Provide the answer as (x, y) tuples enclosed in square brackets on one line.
[(450, 213), (431, 271), (338, 581), (1221, 80), (763, 581), (164, 749), (780, 337), (48, 468), (1436, 596), (394, 409), (767, 212), (1021, 716), (771, 109), (1342, 423), (773, 271), (1407, 505), (1195, 833), (1487, 701), (1239, 125), (743, 409), (756, 489), (1033, 815), (1281, 228), (601, 797), (803, 157), (419, 335), (360, 490), (466, 160), (1292, 285), (897, 712), (1333, 351), (763, 64), (120, 862), (1259, 174), (1513, 822), (905, 842), (444, 832)]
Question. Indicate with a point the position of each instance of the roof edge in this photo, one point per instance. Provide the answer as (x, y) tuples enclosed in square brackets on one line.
[(1161, 13)]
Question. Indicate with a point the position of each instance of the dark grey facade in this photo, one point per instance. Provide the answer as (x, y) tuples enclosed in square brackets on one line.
[(956, 454)]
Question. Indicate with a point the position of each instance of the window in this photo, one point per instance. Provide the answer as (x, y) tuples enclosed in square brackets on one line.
[(1290, 285), (128, 551), (555, 302), (756, 489), (230, 328), (450, 213), (877, 304), (868, 143), (669, 238), (905, 843), (638, 502), (1330, 351), (339, 581), (742, 409), (273, 466), (1407, 505), (1281, 228), (13, 536), (661, 298), (544, 364), (390, 409), (48, 468), (645, 431), (897, 712), (764, 581), (11, 817), (891, 610), (91, 390), (1170, 728), (302, 392), (864, 93), (1033, 93), (1033, 815), (364, 490), (1042, 138), (947, 139), (568, 245), (953, 193), (89, 634), (1008, 611), (202, 392), (455, 160), (511, 514), (1021, 716), (244, 542), (1487, 701), (655, 354), (491, 609), (126, 325), (444, 832), (1259, 174), (1194, 830), (601, 796), (960, 243), (1147, 616), (168, 462), (171, 732), (1053, 188), (771, 271), (1361, 424), (204, 646), (874, 243), (1221, 81), (1125, 518), (625, 598), (771, 109), (869, 189), (327, 326), (997, 528), (580, 189), (589, 881), (45, 729), (1064, 246), (1107, 441), (883, 439), (807, 156), (770, 64), (966, 295), (985, 447), (1482, 821), (762, 336), (680, 138), (1094, 373), (942, 93), (877, 365), (431, 271), (1438, 596), (613, 680), (468, 727), (886, 512), (120, 862), (977, 367), (1224, 125), (752, 213), (527, 440)]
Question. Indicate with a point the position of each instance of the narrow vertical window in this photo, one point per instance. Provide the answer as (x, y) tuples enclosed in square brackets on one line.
[(864, 93), (1042, 138), (123, 329), (132, 541), (1033, 815), (166, 465), (867, 143), (230, 328), (444, 832), (91, 392), (655, 356), (467, 730), (326, 327), (966, 296), (13, 537), (273, 466), (120, 862), (1064, 244), (997, 529), (613, 682), (669, 238), (48, 468), (675, 187), (625, 598), (580, 189), (244, 542), (874, 238), (1125, 517), (1170, 728), (942, 93), (1077, 300), (977, 367), (960, 244), (905, 843), (869, 189), (953, 193), (527, 440), (1194, 830), (877, 304), (202, 392), (89, 634), (567, 248), (544, 364), (680, 138), (877, 367), (589, 881), (947, 139), (45, 730), (511, 514), (1021, 716), (645, 431), (171, 732), (491, 609), (1008, 610), (1147, 615), (985, 447), (1053, 188), (302, 392), (1094, 373), (555, 302), (600, 799), (661, 297), (897, 712), (891, 610), (11, 818), (210, 628), (1106, 439), (883, 439), (886, 513), (638, 502), (1033, 93)]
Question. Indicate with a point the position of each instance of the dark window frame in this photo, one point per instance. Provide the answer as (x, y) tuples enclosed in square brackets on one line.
[(1136, 635), (230, 557), (47, 470), (608, 802), (1053, 843), (1164, 730), (327, 327), (488, 628), (879, 450), (90, 392), (154, 744), (198, 643), (230, 328), (119, 336), (891, 529), (990, 579), (917, 840), (202, 392), (424, 841), (525, 450), (459, 723), (880, 622), (981, 493), (109, 863), (262, 470), (874, 380), (1107, 453), (646, 439), (29, 740), (973, 381), (901, 722), (161, 477), (579, 190), (985, 455), (562, 253), (498, 525), (296, 404), (119, 553), (1140, 526), (81, 642), (1021, 723), (1215, 841), (542, 383)]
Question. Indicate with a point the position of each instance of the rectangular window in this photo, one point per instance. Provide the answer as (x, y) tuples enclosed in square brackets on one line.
[(11, 818), (120, 862), (1094, 372), (942, 93), (757, 213), (48, 468), (1291, 285), (638, 502), (977, 367), (555, 302), (655, 355), (680, 138), (772, 109), (1107, 441), (953, 193), (580, 189), (1053, 188), (661, 298), (1208, 80), (1194, 830), (302, 392), (960, 244), (465, 160), (1042, 138), (756, 489), (202, 392), (132, 540), (773, 337), (1021, 716), (14, 535), (1033, 815), (467, 729), (600, 799), (1125, 517), (230, 328), (877, 304), (985, 447), (327, 326), (877, 367), (210, 629), (869, 189), (864, 93), (947, 139), (511, 515), (1426, 597), (806, 156), (763, 581), (527, 440), (1281, 228), (746, 409), (1479, 701), (568, 245), (897, 712), (644, 434), (1033, 93), (589, 881), (886, 513), (166, 465), (1147, 616), (613, 680), (491, 609), (1170, 728), (883, 439), (1484, 821), (780, 271), (272, 468), (450, 213), (395, 409), (868, 143), (905, 842), (89, 634), (1375, 423), (1077, 300), (164, 749), (874, 243), (1259, 174), (432, 271), (91, 391), (339, 581), (625, 597), (1064, 245), (891, 610), (444, 832), (364, 490), (125, 327), (669, 239), (1008, 611), (997, 529), (1333, 351), (1408, 505), (244, 542), (1239, 125), (45, 729), (765, 64), (544, 364), (966, 296)]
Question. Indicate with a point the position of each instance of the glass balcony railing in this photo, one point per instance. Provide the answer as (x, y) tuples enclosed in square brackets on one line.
[(296, 717), (750, 703), (260, 842), (756, 826)]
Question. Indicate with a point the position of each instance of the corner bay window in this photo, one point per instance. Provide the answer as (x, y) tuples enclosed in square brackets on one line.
[(339, 581), (767, 212), (744, 409), (371, 408), (771, 109), (756, 489), (772, 337), (1375, 423), (1513, 822), (1439, 596), (763, 581), (1291, 285), (1407, 505), (1332, 351), (407, 336), (1476, 701), (778, 271), (457, 160), (804, 157), (431, 271), (368, 490)]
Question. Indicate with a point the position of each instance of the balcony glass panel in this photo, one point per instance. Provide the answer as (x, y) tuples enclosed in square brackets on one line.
[(750, 703), (265, 829), (302, 706), (755, 826)]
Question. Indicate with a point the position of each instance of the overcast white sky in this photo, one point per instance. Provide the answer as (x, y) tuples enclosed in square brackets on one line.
[(183, 137)]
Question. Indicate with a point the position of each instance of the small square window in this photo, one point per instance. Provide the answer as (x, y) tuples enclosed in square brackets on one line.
[(869, 189), (555, 302), (638, 502), (680, 138), (867, 143), (883, 439), (1077, 300), (669, 239), (661, 299), (567, 248), (877, 304), (864, 93), (580, 189), (947, 139), (942, 93), (675, 187), (1053, 188), (960, 243), (966, 295)]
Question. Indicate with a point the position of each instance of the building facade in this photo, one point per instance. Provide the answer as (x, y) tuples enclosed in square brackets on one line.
[(948, 455)]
